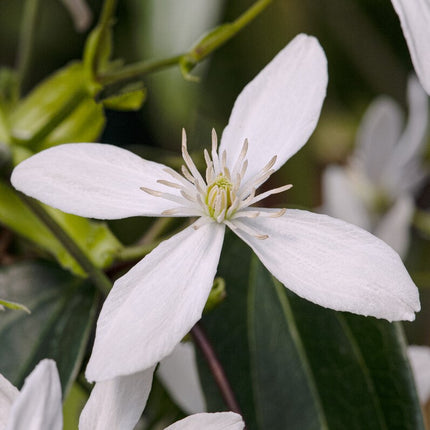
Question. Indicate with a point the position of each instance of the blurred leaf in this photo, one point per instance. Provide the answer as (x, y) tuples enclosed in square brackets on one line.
[(58, 110), (14, 306), (309, 367), (63, 311), (94, 238), (8, 89)]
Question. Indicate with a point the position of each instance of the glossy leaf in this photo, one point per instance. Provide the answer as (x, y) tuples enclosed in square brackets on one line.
[(309, 367), (63, 311), (94, 238)]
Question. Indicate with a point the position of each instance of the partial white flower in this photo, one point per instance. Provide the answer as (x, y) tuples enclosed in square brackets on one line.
[(419, 357), (179, 375), (152, 307), (375, 190), (37, 406), (415, 21), (118, 404), (80, 12)]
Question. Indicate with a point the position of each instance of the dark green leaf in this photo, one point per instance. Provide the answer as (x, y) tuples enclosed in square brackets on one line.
[(308, 367), (63, 311)]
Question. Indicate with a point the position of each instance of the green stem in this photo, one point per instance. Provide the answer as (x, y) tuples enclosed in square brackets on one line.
[(200, 51), (27, 37), (98, 277), (137, 70), (107, 13), (131, 253)]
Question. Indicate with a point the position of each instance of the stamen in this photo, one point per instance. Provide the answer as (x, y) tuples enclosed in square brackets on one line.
[(188, 175), (248, 230), (238, 165), (201, 222), (262, 196), (166, 196), (170, 184), (246, 214), (214, 153), (189, 161)]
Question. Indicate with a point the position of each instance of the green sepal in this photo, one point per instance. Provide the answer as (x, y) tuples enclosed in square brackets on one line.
[(98, 50), (130, 97), (59, 110), (94, 238)]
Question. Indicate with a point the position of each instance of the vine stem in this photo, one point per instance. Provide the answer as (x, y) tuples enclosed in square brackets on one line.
[(100, 280), (26, 39), (201, 340)]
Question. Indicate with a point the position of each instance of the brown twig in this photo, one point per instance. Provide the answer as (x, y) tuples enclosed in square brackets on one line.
[(201, 340)]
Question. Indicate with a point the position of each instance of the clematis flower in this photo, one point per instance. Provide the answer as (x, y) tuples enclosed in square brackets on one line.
[(375, 189), (152, 307), (118, 404), (37, 406), (415, 19), (80, 12), (114, 404)]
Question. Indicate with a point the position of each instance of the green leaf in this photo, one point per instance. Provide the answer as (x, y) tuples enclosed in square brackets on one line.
[(63, 312), (94, 238), (129, 97), (13, 305), (296, 365)]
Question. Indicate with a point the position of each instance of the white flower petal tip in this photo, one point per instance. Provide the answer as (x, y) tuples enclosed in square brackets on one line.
[(279, 109), (210, 421), (153, 306), (419, 357), (8, 394), (334, 264), (38, 406), (414, 18), (117, 403), (179, 375), (93, 180)]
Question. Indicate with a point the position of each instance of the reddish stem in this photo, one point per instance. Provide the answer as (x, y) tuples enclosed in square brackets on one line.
[(201, 340)]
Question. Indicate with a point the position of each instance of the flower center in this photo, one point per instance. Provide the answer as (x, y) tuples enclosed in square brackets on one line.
[(222, 196), (219, 196)]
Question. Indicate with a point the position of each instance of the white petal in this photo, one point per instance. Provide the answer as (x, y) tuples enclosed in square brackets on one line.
[(80, 13), (334, 264), (402, 173), (378, 136), (38, 406), (341, 199), (152, 307), (278, 110), (8, 394), (206, 421), (419, 357), (117, 403), (94, 180), (393, 228), (179, 375), (414, 18)]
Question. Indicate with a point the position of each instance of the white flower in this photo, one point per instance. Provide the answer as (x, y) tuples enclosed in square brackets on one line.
[(324, 260), (419, 357), (37, 406), (118, 404), (415, 20), (375, 190), (115, 404)]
